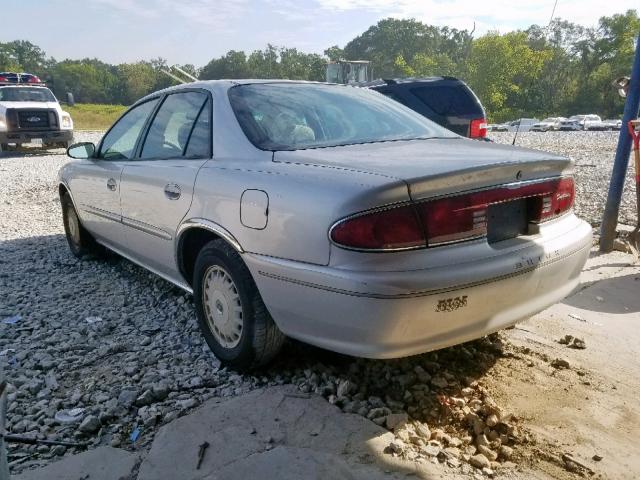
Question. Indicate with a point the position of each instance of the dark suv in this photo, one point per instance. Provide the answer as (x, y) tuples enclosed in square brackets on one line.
[(445, 100)]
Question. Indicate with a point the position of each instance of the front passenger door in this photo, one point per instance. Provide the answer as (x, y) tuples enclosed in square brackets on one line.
[(157, 186), (96, 186)]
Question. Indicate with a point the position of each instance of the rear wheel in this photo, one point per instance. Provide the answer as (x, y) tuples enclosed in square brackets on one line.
[(80, 241), (232, 316)]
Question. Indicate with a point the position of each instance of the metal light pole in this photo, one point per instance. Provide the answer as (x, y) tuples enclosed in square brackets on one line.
[(610, 217)]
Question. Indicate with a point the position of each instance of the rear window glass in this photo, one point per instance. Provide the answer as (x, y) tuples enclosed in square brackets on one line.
[(292, 116), (448, 100)]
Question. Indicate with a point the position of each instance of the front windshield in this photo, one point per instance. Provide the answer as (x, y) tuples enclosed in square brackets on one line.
[(26, 94), (293, 116)]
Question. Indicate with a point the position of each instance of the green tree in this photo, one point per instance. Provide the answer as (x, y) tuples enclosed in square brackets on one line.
[(502, 69), (231, 65), (90, 81), (137, 80), (391, 38), (23, 55)]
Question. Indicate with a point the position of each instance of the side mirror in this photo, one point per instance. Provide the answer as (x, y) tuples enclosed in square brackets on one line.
[(82, 150)]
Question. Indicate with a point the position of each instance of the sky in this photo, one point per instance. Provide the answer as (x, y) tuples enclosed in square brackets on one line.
[(195, 31)]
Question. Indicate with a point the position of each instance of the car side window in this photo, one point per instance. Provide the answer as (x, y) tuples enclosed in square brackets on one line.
[(119, 143), (170, 129), (200, 140)]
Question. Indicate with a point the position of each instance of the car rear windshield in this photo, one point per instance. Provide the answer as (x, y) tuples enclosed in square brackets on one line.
[(447, 100), (294, 116), (26, 94)]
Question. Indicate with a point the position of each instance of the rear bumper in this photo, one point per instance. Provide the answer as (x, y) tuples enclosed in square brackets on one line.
[(376, 315), (47, 136)]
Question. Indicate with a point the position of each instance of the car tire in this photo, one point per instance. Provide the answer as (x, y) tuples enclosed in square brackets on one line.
[(231, 314), (81, 242)]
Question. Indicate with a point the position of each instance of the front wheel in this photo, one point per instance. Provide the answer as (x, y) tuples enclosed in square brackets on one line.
[(231, 314), (80, 241)]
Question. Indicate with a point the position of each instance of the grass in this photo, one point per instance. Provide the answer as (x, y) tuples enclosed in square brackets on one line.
[(89, 116)]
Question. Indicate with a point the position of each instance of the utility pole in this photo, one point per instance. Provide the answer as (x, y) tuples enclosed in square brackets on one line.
[(631, 107)]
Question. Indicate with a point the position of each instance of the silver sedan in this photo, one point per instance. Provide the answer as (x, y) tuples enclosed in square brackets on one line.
[(325, 213)]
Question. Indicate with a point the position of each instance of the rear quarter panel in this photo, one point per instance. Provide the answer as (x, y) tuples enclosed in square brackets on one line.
[(304, 202)]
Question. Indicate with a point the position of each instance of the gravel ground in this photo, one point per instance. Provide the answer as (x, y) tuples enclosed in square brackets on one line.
[(117, 350)]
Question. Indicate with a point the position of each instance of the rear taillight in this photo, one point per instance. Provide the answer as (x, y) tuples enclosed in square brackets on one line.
[(450, 219), (557, 202), (33, 79), (478, 128), (391, 229), (4, 79), (454, 219)]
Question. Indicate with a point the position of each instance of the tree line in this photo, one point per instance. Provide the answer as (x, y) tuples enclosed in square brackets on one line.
[(560, 69)]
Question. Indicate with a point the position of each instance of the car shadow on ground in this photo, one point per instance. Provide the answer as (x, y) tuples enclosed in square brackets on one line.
[(609, 295), (31, 152)]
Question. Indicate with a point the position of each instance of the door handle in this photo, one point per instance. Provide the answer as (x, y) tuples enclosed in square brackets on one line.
[(111, 184), (172, 191)]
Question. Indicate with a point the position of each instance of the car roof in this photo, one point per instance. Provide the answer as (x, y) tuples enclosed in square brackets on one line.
[(225, 84)]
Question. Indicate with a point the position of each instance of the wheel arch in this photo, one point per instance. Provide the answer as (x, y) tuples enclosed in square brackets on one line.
[(192, 236)]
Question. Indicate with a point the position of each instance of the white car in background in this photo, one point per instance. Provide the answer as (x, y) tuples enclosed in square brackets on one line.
[(582, 122), (572, 123), (612, 124), (522, 124), (593, 122), (548, 124)]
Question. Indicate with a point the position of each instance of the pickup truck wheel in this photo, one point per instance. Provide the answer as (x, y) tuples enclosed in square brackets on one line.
[(80, 241), (232, 316)]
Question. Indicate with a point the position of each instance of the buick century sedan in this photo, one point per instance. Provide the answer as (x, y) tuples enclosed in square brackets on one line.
[(326, 213)]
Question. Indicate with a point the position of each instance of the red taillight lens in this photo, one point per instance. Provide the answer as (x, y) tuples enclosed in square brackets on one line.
[(555, 203), (3, 79), (450, 219), (396, 228), (453, 219), (478, 128), (33, 79)]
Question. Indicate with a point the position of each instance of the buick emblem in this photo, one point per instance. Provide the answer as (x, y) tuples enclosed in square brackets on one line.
[(33, 119)]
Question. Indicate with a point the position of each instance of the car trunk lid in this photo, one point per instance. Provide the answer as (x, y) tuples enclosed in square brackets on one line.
[(436, 167)]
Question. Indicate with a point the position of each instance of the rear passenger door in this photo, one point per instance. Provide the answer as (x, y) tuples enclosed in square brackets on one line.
[(156, 189)]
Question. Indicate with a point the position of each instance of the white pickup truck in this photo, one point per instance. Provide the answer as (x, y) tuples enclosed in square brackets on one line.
[(30, 113)]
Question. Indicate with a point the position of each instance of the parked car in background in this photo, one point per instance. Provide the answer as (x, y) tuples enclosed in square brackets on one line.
[(447, 101), (547, 125), (498, 127), (30, 113), (572, 123), (582, 122), (593, 122), (326, 213), (612, 124), (521, 124)]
